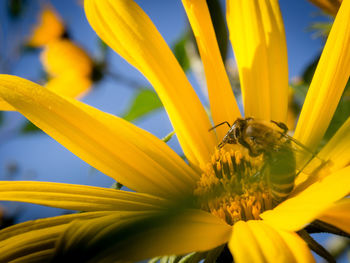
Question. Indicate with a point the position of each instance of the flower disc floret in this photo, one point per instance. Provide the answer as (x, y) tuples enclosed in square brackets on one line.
[(232, 186)]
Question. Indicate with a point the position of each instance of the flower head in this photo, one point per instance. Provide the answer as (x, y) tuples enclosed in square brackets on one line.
[(221, 196)]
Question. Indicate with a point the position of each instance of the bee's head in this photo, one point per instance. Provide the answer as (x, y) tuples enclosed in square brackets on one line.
[(234, 134), (250, 135)]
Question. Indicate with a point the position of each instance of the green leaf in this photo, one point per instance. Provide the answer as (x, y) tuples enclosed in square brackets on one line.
[(219, 22), (29, 127), (145, 102), (179, 50)]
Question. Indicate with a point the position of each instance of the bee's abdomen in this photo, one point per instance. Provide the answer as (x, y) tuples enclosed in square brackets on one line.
[(282, 174), (280, 191)]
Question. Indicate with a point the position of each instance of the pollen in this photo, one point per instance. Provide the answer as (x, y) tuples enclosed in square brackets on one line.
[(232, 186)]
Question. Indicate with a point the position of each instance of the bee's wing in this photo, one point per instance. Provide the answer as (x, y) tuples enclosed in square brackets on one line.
[(306, 160)]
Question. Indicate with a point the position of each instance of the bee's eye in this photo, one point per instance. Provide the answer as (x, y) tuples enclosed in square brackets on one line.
[(237, 133)]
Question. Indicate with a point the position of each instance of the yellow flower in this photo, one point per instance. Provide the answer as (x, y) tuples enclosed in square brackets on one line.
[(180, 207), (49, 28), (69, 67)]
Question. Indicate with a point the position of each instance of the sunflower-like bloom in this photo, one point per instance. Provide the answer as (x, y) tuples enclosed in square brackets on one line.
[(68, 66), (219, 196)]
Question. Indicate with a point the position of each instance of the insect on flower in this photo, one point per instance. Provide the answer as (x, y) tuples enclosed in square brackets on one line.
[(284, 157)]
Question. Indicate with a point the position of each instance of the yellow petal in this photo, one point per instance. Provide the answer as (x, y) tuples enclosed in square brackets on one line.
[(258, 40), (24, 246), (16, 230), (337, 150), (127, 29), (338, 215), (329, 6), (64, 56), (41, 256), (294, 213), (255, 241), (117, 148), (141, 235), (70, 84), (4, 106), (337, 154), (223, 104), (36, 239), (328, 83), (49, 28), (76, 197)]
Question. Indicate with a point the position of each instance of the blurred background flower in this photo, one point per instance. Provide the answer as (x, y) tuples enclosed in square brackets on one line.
[(49, 28), (68, 67)]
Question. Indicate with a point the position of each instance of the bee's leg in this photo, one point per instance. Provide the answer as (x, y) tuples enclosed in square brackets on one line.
[(281, 125)]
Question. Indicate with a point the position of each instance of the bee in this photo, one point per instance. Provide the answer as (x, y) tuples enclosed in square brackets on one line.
[(279, 151)]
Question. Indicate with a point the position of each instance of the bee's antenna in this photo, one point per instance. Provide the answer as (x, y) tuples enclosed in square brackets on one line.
[(225, 122)]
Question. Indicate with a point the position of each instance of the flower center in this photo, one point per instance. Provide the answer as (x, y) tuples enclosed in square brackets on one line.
[(232, 186)]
